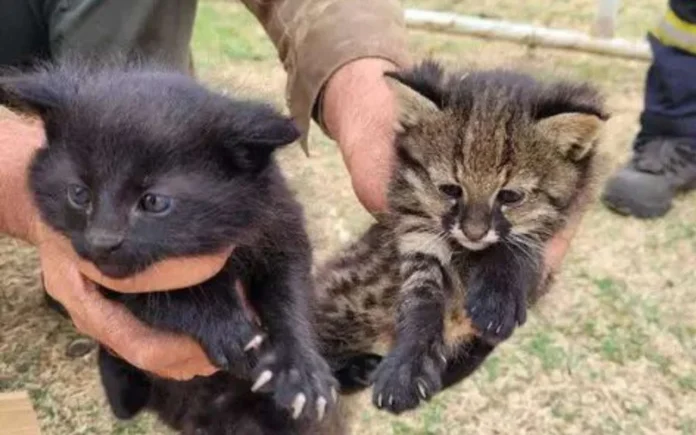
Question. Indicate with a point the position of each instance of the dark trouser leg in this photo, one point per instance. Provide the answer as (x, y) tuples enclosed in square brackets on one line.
[(670, 89), (39, 29), (23, 32), (664, 152)]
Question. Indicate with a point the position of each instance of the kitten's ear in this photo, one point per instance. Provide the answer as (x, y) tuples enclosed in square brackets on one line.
[(575, 134), (412, 107), (418, 92), (33, 94), (258, 131)]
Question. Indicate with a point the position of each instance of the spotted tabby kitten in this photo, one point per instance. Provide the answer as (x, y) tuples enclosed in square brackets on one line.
[(488, 164)]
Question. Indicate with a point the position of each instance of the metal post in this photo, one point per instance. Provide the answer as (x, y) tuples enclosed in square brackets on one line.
[(605, 22)]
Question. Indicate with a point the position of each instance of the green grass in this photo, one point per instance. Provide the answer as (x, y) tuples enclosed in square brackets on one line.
[(612, 349), (543, 347), (228, 36)]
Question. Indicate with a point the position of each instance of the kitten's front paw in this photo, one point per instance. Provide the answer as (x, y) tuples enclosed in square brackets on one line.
[(300, 380), (407, 376), (496, 312), (230, 345)]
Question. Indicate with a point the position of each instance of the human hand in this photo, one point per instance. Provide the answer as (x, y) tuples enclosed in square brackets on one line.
[(170, 274), (163, 353), (359, 111), (557, 248)]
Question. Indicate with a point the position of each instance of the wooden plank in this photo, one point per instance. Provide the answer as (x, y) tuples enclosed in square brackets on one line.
[(17, 416)]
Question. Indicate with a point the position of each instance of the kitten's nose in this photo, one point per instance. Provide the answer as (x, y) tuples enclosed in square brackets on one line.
[(474, 231), (102, 241)]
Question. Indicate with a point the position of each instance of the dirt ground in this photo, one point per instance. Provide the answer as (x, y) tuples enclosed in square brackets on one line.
[(612, 349)]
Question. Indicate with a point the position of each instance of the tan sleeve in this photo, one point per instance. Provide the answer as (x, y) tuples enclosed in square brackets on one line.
[(316, 37)]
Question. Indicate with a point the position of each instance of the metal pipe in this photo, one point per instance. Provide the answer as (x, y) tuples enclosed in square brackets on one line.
[(525, 34)]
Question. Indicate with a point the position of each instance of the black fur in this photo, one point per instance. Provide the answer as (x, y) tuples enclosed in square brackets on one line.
[(354, 374), (499, 282), (426, 78), (123, 132), (469, 359)]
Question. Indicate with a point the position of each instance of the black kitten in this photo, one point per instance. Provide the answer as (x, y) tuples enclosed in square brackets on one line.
[(143, 164)]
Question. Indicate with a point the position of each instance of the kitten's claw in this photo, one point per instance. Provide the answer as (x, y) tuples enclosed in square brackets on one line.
[(334, 394), (228, 346), (406, 376), (301, 380), (321, 408), (297, 405), (422, 390), (254, 343), (496, 312), (262, 380)]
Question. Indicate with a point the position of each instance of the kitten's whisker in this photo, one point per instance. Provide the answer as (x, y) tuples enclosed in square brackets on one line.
[(526, 247), (394, 238), (437, 238)]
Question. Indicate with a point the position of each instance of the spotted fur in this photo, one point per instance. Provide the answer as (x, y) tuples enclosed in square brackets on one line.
[(488, 164)]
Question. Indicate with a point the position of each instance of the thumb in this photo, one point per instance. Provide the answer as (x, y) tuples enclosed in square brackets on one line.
[(163, 353)]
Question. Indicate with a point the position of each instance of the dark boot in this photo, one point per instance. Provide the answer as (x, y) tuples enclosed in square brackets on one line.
[(664, 155), (661, 167)]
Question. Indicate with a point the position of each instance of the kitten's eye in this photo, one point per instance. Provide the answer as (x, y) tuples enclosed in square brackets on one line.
[(451, 190), (79, 196), (152, 203), (510, 197)]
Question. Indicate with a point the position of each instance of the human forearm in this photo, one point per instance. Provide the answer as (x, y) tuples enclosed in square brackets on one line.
[(335, 53), (359, 112), (18, 141), (315, 39)]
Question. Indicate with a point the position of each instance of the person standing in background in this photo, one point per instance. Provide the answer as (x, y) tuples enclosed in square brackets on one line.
[(664, 151)]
